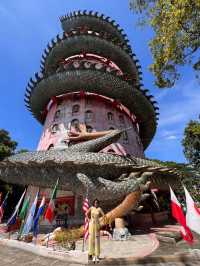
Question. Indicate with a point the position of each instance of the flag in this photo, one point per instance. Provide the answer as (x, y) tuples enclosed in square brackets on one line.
[(13, 217), (193, 214), (86, 223), (178, 214), (37, 217), (49, 215), (29, 221), (2, 207), (23, 213)]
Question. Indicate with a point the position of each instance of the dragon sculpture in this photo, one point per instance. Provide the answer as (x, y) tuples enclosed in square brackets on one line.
[(82, 167)]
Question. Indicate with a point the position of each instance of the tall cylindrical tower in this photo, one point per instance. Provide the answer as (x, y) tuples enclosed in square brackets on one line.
[(89, 75)]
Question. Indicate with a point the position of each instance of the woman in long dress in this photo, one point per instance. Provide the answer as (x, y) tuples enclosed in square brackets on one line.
[(95, 212)]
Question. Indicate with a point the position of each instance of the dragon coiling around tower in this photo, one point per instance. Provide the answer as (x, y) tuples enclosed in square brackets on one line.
[(81, 166)]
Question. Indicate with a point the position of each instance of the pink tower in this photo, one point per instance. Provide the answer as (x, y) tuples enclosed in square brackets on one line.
[(90, 76)]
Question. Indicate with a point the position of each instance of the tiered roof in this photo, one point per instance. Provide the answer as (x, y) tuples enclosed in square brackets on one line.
[(91, 33)]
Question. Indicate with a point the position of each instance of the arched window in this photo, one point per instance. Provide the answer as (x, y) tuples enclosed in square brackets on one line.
[(75, 124), (89, 128), (75, 109), (138, 139), (125, 137), (110, 116), (121, 119), (88, 116), (50, 147), (57, 114), (54, 128), (110, 151)]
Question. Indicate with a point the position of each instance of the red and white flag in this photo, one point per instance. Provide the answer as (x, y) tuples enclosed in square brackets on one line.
[(178, 214), (86, 224), (193, 213)]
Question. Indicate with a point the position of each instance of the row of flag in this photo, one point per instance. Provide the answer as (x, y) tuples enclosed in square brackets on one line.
[(189, 222), (32, 217)]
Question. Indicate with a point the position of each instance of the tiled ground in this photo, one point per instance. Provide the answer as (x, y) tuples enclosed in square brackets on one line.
[(15, 257), (117, 253), (137, 246)]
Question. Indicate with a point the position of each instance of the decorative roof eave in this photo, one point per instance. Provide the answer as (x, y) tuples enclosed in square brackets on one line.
[(101, 83), (64, 47), (94, 21), (38, 77)]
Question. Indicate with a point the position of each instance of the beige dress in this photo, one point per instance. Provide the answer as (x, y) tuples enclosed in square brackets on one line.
[(94, 231)]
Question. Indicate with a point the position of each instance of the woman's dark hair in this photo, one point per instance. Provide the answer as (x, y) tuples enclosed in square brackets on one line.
[(95, 200)]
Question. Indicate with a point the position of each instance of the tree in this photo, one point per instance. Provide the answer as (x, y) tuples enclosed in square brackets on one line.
[(189, 175), (7, 148), (21, 151), (176, 24), (191, 143), (7, 145)]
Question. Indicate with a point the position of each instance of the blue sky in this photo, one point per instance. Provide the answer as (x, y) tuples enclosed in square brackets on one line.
[(26, 28)]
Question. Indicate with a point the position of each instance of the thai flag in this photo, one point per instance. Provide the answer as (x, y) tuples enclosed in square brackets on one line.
[(86, 224), (13, 217), (28, 225), (2, 207), (37, 217)]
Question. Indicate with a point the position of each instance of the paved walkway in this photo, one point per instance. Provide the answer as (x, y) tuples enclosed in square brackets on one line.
[(137, 246), (140, 249), (15, 257)]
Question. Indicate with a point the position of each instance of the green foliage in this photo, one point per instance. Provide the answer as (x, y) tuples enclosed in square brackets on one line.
[(176, 25), (22, 151), (7, 145), (191, 143), (189, 176)]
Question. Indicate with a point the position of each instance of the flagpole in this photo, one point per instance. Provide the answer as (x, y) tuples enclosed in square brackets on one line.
[(83, 245), (38, 221), (47, 207)]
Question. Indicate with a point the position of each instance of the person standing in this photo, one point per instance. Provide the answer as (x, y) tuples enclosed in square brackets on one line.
[(95, 212)]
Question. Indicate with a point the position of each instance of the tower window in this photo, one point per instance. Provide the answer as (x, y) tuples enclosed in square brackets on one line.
[(125, 137), (88, 116), (121, 119), (50, 147), (138, 140), (110, 116), (75, 109), (89, 128), (111, 151), (57, 114), (75, 124), (54, 128)]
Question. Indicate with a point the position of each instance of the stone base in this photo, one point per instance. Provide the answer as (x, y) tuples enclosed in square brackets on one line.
[(121, 234)]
